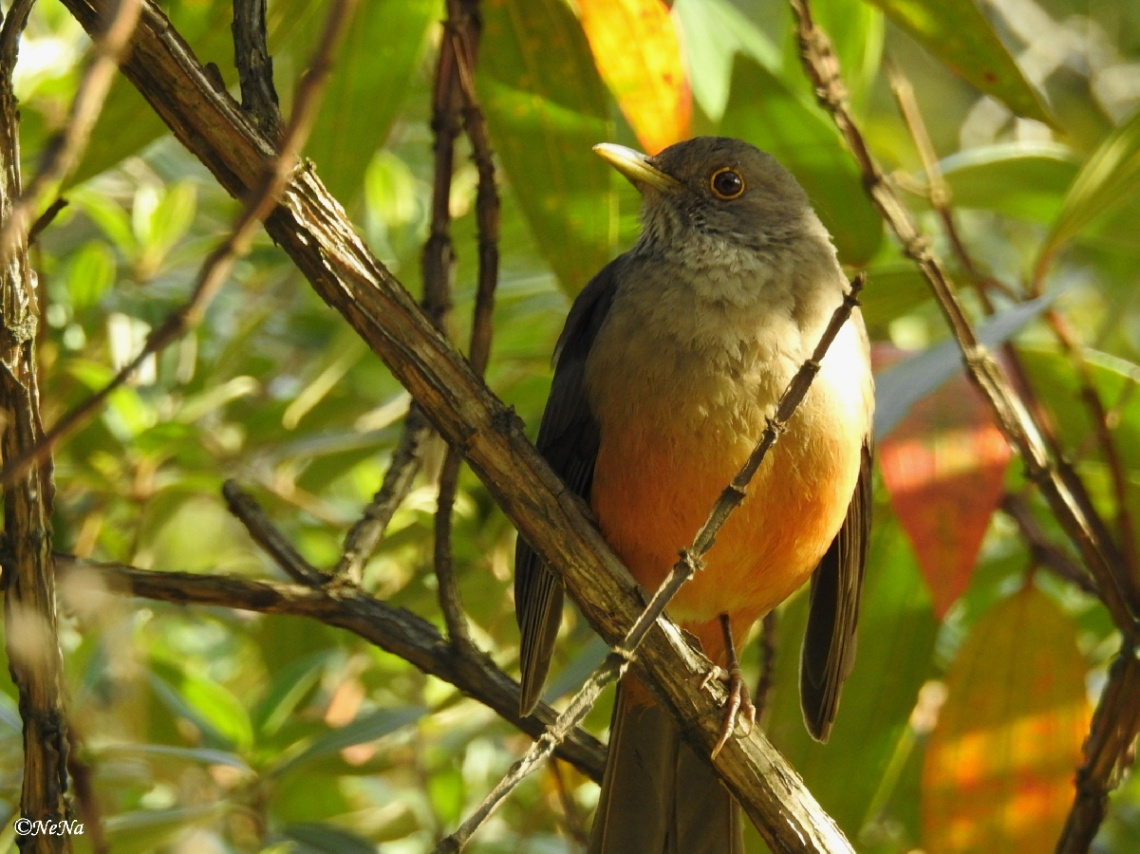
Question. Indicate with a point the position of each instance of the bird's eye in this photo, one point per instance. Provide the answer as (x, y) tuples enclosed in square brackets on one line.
[(727, 184)]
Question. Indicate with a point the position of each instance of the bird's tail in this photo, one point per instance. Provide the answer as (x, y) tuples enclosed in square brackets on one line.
[(658, 796)]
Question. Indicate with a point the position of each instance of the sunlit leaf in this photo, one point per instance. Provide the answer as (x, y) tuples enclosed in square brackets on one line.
[(999, 767), (92, 274), (1110, 177), (944, 469), (959, 35), (764, 112), (547, 108), (713, 32), (369, 84), (645, 74)]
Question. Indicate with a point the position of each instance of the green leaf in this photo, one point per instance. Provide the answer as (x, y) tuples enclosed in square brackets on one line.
[(173, 215), (448, 793), (318, 836), (1110, 178), (92, 274), (289, 686), (374, 67), (369, 727), (147, 830), (894, 288), (546, 108), (714, 32), (763, 111), (205, 703), (958, 34), (200, 755), (1020, 179), (1114, 381)]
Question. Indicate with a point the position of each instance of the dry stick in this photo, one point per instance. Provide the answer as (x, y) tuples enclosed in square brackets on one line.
[(691, 560), (255, 67), (769, 648), (217, 266), (940, 198), (311, 227), (1045, 553), (1099, 416), (1083, 526), (31, 637), (247, 510), (1116, 720), (364, 536), (62, 152), (461, 33), (394, 630)]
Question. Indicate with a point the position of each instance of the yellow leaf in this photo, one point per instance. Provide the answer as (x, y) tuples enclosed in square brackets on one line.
[(999, 769), (638, 55)]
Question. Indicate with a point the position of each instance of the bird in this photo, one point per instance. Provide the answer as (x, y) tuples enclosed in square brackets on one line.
[(671, 361)]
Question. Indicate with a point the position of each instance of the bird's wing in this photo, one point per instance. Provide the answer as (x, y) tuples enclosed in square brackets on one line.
[(568, 438), (836, 586)]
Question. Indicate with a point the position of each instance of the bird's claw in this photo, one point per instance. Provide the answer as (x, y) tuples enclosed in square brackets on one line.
[(738, 707)]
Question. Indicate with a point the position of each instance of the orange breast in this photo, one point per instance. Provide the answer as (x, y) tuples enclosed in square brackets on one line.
[(664, 460)]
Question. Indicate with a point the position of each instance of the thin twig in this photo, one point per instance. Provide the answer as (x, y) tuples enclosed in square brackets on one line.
[(769, 647), (263, 532), (438, 266), (217, 266), (394, 630), (62, 153), (364, 536), (620, 657), (1045, 553), (940, 198), (1059, 485), (1113, 729)]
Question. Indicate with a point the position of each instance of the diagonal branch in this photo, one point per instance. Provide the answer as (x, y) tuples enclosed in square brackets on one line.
[(690, 562), (1117, 719), (312, 228), (1066, 496)]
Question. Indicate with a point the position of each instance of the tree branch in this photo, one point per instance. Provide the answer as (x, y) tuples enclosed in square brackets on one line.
[(30, 625), (311, 227)]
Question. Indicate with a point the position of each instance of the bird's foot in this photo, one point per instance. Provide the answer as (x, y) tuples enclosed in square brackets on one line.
[(739, 705)]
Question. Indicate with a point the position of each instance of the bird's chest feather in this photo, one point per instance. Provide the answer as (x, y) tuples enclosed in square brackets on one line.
[(680, 406)]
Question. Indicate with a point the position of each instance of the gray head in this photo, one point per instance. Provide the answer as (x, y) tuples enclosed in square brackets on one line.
[(716, 188)]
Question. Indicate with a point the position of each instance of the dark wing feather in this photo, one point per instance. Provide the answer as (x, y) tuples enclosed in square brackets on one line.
[(836, 586), (568, 438)]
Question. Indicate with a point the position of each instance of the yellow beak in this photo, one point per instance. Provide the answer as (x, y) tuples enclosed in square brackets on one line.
[(636, 167)]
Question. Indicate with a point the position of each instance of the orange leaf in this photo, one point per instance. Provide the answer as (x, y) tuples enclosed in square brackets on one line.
[(999, 768), (944, 469), (638, 55)]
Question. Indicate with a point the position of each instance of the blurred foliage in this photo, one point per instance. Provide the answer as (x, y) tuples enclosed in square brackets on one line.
[(208, 730)]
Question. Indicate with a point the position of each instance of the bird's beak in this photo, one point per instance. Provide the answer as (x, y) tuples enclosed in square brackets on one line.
[(636, 167)]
